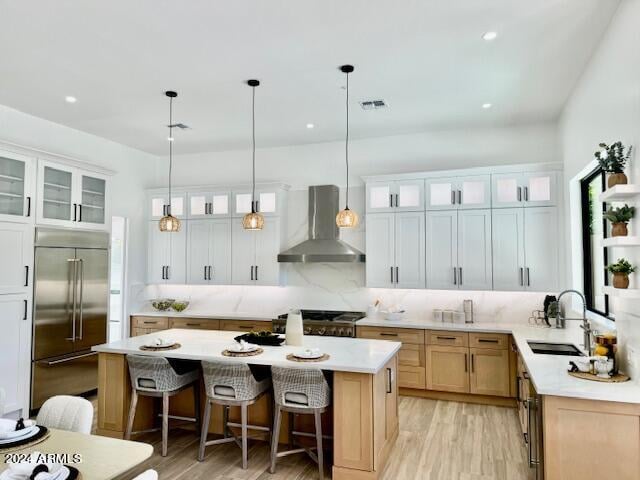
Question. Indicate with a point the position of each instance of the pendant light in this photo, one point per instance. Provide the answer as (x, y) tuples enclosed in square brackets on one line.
[(253, 220), (169, 223), (347, 218)]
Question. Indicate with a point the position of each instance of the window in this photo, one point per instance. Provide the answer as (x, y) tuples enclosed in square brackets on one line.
[(594, 230)]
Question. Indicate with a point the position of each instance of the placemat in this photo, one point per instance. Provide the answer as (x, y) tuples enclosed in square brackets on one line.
[(159, 349), (39, 437), (257, 351), (618, 378), (293, 358)]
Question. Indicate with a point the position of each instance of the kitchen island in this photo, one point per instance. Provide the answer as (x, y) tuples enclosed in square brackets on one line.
[(363, 420)]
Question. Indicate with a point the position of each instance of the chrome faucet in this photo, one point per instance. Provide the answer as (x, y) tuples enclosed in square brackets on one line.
[(561, 320)]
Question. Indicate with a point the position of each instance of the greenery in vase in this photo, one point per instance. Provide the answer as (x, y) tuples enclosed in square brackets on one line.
[(620, 214), (621, 266), (612, 158)]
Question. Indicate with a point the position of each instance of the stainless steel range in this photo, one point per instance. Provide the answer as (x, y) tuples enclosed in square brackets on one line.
[(330, 323)]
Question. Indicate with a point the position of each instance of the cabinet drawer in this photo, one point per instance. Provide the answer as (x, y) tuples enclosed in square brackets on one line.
[(447, 338), (411, 377), (489, 340), (196, 323), (411, 355), (137, 331), (404, 335), (245, 325), (150, 322)]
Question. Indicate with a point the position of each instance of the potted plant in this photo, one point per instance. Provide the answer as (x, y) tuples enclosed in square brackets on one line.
[(612, 159), (619, 217), (621, 270)]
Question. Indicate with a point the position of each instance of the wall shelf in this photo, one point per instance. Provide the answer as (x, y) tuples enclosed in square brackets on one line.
[(621, 292), (620, 193), (632, 241)]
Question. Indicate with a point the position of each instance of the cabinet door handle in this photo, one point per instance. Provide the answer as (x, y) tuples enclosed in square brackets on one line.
[(521, 277), (389, 381), (163, 272), (384, 334), (519, 194), (460, 276), (24, 318), (397, 274), (526, 194), (168, 273), (26, 275), (397, 200), (453, 197), (256, 272), (205, 273), (251, 272), (488, 340), (455, 276), (391, 200), (28, 206), (391, 269), (472, 362), (528, 278), (75, 212), (209, 272), (79, 212), (466, 366), (459, 197), (445, 338), (193, 324)]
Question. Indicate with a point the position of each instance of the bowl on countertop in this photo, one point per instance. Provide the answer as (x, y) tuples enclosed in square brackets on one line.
[(394, 315), (162, 304), (179, 305)]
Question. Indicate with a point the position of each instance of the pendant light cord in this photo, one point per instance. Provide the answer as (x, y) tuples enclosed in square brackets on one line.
[(170, 147), (346, 146), (253, 149)]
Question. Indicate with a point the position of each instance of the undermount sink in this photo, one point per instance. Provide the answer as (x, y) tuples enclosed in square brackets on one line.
[(565, 349)]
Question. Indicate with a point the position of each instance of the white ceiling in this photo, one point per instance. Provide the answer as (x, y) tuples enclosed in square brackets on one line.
[(426, 58)]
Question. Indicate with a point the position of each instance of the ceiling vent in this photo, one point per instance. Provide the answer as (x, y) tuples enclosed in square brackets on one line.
[(373, 104), (181, 126)]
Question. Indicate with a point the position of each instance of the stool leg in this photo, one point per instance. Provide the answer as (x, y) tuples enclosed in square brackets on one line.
[(275, 433), (205, 430), (225, 421), (165, 422), (245, 453), (196, 406), (292, 422), (132, 413), (318, 418)]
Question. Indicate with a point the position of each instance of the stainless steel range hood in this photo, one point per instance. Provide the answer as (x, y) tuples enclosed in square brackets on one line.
[(323, 245)]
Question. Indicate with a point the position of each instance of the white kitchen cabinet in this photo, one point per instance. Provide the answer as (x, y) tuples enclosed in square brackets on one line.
[(71, 197), (525, 249), (209, 204), (458, 192), (16, 258), (15, 325), (209, 252), (442, 249), (158, 204), (255, 253), (474, 250), (395, 196), (395, 250), (166, 260), (459, 249), (269, 201), (532, 189), (17, 181)]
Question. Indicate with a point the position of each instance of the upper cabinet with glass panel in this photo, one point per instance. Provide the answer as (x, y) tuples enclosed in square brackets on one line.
[(208, 204), (17, 175), (158, 203), (401, 195), (268, 200), (534, 189), (453, 193)]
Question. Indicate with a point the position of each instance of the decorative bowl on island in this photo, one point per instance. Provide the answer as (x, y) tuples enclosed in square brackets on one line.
[(162, 304), (179, 305)]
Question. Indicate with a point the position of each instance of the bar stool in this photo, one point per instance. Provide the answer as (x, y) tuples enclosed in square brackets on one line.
[(231, 384), (299, 391), (156, 377)]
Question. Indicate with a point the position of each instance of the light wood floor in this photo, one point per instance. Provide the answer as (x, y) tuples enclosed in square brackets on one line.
[(438, 440)]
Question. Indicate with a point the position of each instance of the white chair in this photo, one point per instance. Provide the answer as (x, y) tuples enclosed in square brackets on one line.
[(65, 412), (148, 475)]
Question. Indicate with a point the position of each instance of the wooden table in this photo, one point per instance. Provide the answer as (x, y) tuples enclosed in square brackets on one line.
[(103, 458)]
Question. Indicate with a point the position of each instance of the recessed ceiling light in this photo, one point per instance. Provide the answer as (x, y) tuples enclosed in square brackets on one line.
[(486, 106), (70, 99), (310, 126), (488, 36)]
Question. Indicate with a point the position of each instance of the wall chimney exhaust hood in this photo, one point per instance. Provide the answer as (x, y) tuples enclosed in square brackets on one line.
[(323, 245)]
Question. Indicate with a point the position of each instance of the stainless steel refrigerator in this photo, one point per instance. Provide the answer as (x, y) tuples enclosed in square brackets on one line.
[(71, 294)]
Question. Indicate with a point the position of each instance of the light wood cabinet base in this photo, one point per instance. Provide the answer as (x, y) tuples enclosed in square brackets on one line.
[(460, 397)]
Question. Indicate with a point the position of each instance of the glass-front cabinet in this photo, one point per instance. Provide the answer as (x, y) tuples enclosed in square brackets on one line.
[(209, 204), (533, 189), (395, 196), (17, 175), (268, 201), (158, 203), (68, 196), (452, 193)]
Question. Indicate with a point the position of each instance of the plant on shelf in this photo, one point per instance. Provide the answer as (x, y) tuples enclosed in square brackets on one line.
[(612, 158), (621, 270), (619, 217)]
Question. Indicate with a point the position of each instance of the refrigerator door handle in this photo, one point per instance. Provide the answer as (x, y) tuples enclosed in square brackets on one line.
[(73, 298), (68, 359), (81, 299)]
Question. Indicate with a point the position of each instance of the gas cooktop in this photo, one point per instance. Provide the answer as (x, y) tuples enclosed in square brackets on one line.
[(335, 323)]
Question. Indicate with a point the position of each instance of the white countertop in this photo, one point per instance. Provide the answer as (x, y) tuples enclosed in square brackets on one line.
[(346, 354), (264, 317), (548, 372)]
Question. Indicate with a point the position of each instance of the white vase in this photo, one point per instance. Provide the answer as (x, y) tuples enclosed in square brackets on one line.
[(294, 331)]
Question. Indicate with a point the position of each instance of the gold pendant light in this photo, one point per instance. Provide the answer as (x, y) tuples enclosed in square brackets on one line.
[(253, 220), (347, 218), (169, 223)]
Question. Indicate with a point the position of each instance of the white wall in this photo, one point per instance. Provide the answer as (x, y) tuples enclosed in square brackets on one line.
[(134, 169), (605, 106), (322, 163)]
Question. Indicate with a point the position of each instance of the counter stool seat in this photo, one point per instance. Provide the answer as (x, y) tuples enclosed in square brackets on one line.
[(299, 391), (231, 384), (157, 377)]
